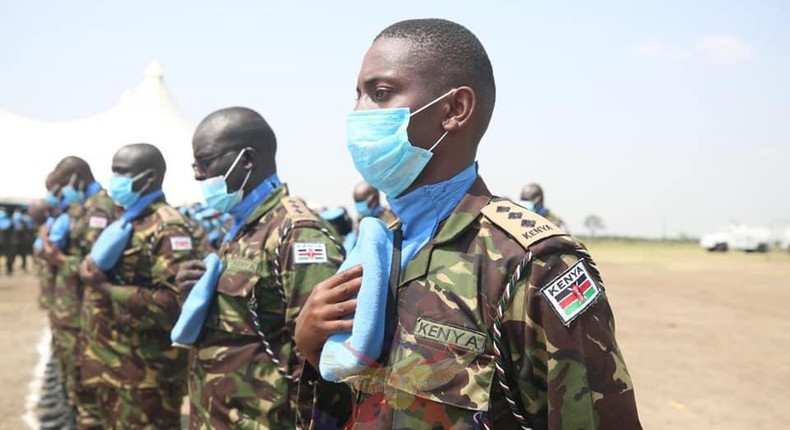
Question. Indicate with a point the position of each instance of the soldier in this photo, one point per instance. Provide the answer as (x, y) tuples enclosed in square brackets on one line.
[(501, 318), (245, 370), (532, 198), (63, 250), (366, 201), (136, 303)]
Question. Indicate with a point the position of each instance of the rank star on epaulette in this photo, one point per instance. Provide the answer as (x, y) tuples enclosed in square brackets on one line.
[(572, 293)]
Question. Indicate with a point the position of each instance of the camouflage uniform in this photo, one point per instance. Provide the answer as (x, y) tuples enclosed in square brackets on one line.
[(98, 212), (147, 375), (64, 313), (441, 368), (46, 279), (236, 380)]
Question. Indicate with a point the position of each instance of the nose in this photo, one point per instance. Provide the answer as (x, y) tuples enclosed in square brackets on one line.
[(199, 173)]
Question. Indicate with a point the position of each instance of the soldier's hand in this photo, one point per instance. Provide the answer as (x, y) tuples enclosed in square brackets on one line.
[(188, 274), (323, 313), (52, 253), (90, 273)]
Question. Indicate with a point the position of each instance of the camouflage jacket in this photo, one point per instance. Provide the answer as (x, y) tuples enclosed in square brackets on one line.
[(68, 289), (557, 346), (96, 313), (271, 266), (145, 302)]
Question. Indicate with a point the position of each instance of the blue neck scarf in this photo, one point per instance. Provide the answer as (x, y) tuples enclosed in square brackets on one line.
[(244, 209), (423, 209), (137, 208), (92, 189)]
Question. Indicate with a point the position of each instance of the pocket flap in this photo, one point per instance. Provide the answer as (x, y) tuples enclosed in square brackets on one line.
[(443, 373)]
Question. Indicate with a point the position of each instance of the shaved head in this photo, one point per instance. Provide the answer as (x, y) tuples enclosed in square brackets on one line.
[(533, 193), (141, 158), (235, 134), (236, 127), (449, 56), (73, 167), (364, 192)]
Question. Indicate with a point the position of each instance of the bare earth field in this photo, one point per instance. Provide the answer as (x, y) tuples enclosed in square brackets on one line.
[(705, 336)]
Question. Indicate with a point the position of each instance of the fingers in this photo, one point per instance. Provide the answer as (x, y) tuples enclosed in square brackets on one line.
[(192, 265), (189, 272), (341, 278), (340, 310), (339, 326), (344, 290)]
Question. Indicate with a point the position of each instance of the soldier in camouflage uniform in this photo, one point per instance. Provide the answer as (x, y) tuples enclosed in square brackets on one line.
[(75, 183), (143, 378), (532, 197), (39, 212), (245, 372), (86, 223), (502, 319)]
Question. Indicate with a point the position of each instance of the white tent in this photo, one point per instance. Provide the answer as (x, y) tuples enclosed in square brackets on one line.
[(145, 114)]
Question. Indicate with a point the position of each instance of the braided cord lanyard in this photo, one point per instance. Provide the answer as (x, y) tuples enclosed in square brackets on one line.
[(521, 272), (252, 304), (516, 408)]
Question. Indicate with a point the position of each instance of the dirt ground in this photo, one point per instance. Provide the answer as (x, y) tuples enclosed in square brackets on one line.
[(706, 336)]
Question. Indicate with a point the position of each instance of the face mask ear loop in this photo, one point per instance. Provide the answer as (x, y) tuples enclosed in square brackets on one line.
[(241, 188), (233, 166), (140, 175), (436, 100), (438, 142)]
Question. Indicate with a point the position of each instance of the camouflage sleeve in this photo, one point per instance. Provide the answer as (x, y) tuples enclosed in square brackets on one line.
[(96, 219), (560, 334), (331, 403), (310, 257), (158, 304)]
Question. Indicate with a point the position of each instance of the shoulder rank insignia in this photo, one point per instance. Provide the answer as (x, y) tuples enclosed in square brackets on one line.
[(297, 209), (571, 293), (525, 226)]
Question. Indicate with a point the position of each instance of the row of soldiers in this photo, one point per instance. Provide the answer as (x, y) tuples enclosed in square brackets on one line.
[(17, 232), (495, 317)]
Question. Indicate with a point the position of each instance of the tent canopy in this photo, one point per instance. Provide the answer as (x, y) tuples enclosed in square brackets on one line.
[(146, 114)]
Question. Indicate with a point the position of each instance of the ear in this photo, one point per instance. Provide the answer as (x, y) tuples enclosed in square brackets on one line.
[(248, 159), (462, 103)]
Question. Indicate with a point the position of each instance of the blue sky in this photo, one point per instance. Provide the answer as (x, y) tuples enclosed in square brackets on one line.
[(659, 116)]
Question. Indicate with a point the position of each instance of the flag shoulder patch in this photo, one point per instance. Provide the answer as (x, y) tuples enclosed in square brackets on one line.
[(97, 222), (571, 293), (181, 243), (309, 252)]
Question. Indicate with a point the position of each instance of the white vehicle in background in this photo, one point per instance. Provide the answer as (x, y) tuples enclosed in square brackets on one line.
[(740, 237)]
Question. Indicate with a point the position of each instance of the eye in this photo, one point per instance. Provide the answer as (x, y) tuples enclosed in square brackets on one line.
[(381, 94)]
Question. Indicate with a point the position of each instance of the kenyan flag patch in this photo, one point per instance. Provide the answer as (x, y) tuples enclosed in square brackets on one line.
[(572, 292)]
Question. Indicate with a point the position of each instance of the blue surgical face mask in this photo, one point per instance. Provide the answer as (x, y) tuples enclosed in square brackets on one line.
[(378, 142), (362, 209), (529, 204), (71, 194), (215, 189), (120, 189), (51, 199)]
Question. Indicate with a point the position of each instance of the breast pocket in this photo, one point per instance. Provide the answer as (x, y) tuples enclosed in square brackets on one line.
[(240, 275), (443, 373)]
